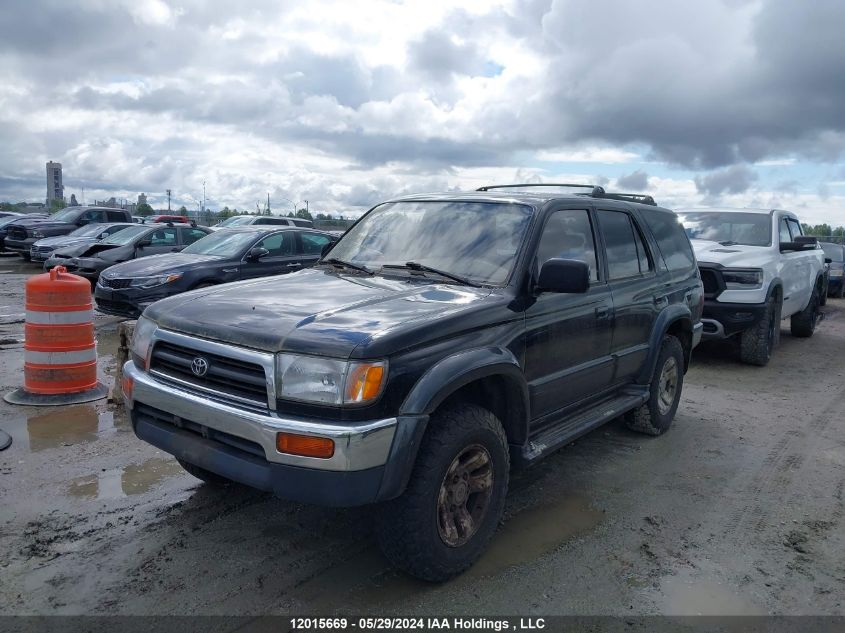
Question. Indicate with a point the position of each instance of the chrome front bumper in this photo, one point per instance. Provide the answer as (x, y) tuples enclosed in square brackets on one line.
[(358, 445)]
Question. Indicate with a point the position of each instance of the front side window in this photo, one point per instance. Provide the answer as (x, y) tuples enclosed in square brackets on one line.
[(794, 228), (568, 235), (115, 216), (475, 240), (621, 248), (92, 216), (785, 235), (278, 244)]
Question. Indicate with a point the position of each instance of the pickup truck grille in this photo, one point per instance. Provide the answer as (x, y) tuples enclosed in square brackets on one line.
[(227, 378), (16, 232), (712, 280)]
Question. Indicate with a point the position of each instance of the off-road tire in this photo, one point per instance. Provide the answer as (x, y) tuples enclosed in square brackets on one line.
[(803, 324), (757, 343), (407, 527), (648, 418), (205, 475)]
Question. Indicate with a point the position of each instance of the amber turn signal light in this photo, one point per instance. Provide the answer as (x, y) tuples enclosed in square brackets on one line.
[(304, 445), (363, 382)]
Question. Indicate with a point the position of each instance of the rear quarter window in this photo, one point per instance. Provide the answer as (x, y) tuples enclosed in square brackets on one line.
[(671, 239)]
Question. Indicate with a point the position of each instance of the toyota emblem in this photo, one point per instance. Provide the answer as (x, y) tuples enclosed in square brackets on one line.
[(199, 366)]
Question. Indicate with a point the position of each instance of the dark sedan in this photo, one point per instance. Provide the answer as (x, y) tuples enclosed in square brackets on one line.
[(836, 254), (133, 242), (224, 256)]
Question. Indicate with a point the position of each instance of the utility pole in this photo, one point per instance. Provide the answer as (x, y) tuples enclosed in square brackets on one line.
[(306, 206), (203, 196), (268, 204), (168, 200)]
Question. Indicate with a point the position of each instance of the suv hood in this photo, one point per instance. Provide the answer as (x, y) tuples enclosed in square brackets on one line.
[(317, 311), (736, 256), (160, 264)]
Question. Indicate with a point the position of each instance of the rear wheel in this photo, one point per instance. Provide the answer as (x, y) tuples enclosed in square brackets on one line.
[(803, 324), (205, 475), (756, 343), (447, 515), (656, 415)]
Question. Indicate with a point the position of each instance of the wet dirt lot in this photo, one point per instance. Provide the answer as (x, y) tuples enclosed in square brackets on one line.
[(738, 509)]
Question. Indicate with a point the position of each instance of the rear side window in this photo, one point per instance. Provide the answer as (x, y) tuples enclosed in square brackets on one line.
[(116, 216), (626, 255), (784, 231), (163, 237), (568, 235), (313, 243), (672, 240)]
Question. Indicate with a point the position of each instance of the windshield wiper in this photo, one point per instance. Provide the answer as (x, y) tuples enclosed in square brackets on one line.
[(428, 269), (342, 264), (728, 243)]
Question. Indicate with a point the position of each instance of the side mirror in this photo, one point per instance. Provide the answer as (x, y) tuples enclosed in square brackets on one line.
[(144, 242), (326, 248), (828, 260), (256, 253), (807, 239), (797, 246), (82, 222), (564, 275)]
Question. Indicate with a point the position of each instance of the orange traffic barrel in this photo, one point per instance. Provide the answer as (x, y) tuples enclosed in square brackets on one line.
[(60, 355)]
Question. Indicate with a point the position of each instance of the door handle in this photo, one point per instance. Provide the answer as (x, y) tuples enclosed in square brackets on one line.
[(602, 312), (294, 265)]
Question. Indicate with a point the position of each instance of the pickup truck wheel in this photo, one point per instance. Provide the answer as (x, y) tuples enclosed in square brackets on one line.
[(803, 324), (205, 475), (656, 415), (443, 521), (756, 343)]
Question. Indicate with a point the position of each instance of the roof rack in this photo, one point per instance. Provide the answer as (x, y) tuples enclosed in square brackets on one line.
[(628, 197), (596, 191)]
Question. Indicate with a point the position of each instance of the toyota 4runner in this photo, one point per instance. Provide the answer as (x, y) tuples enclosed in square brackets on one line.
[(758, 268), (442, 340)]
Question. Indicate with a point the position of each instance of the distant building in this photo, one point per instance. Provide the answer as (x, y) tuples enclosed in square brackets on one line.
[(73, 202), (142, 199), (55, 188)]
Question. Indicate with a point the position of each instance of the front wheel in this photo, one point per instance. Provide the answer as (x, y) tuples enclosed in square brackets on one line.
[(656, 415), (757, 342), (803, 324), (447, 515)]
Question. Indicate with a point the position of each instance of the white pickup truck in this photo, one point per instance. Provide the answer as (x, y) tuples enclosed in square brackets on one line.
[(757, 268)]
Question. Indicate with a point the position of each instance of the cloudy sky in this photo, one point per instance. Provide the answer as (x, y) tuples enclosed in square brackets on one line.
[(346, 103)]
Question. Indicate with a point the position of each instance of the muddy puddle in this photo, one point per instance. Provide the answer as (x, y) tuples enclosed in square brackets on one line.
[(132, 479), (53, 428), (523, 538), (686, 593)]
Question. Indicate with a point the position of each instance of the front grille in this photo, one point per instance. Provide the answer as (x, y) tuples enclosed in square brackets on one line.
[(119, 307), (712, 282), (233, 441), (228, 378), (16, 232), (43, 250), (117, 284)]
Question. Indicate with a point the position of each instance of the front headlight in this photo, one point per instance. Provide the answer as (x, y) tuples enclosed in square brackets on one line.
[(141, 341), (327, 380), (37, 234), (742, 279), (152, 282)]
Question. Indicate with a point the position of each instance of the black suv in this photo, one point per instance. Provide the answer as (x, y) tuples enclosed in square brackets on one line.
[(221, 257), (22, 235), (442, 340)]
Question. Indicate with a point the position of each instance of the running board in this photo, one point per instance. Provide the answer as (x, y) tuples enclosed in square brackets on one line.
[(572, 428)]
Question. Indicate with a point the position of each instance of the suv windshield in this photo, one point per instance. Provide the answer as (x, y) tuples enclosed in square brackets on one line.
[(222, 243), (750, 229), (126, 235), (66, 215), (476, 240), (236, 221)]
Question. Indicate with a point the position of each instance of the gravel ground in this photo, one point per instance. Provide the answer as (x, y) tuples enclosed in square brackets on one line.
[(737, 510)]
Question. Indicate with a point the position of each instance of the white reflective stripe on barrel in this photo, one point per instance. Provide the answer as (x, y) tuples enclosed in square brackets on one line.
[(60, 358), (60, 318)]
